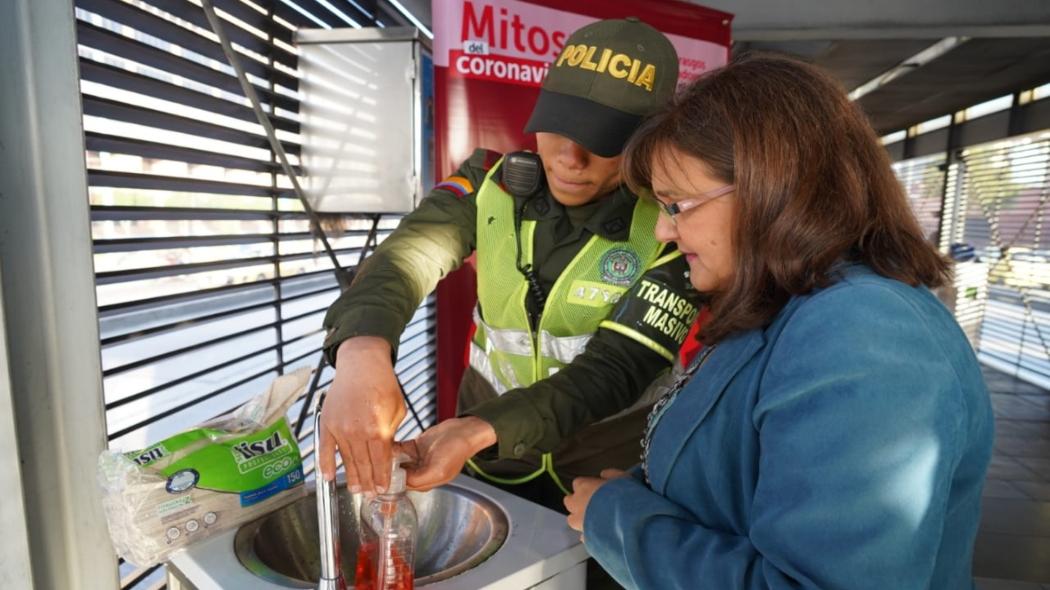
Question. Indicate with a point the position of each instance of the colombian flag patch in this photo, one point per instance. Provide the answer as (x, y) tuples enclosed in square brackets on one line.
[(456, 185)]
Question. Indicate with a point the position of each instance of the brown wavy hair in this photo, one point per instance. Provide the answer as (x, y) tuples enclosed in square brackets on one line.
[(814, 185)]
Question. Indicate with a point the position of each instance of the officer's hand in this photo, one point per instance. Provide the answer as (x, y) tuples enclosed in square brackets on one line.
[(438, 455), (361, 414)]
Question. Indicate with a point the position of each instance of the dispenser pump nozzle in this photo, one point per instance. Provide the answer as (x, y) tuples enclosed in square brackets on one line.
[(397, 474)]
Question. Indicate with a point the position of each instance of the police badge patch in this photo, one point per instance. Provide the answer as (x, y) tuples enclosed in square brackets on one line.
[(620, 266)]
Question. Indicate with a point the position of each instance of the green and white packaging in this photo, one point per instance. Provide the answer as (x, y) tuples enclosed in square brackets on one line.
[(190, 486)]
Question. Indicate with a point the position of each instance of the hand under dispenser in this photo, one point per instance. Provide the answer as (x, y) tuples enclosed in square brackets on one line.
[(389, 526)]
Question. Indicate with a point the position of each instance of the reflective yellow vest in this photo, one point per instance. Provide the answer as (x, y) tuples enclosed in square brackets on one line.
[(505, 350)]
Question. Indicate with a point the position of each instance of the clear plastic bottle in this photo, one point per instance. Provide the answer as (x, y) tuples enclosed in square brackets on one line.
[(388, 538)]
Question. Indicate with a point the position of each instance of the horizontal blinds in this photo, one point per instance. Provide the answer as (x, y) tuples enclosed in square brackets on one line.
[(923, 181), (208, 281), (1006, 187), (996, 199)]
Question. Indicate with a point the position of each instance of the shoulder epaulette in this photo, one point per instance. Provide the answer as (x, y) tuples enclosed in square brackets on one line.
[(470, 175), (484, 158)]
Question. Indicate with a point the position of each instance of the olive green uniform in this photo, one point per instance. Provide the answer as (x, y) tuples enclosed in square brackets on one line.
[(563, 413)]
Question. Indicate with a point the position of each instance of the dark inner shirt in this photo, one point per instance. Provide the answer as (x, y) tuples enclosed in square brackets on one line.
[(561, 232)]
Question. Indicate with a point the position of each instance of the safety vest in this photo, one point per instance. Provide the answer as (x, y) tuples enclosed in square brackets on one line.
[(505, 350)]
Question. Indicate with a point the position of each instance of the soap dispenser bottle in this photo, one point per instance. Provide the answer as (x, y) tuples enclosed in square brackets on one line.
[(388, 537)]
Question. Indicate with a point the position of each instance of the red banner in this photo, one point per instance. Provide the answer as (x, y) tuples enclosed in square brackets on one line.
[(490, 57), (498, 68)]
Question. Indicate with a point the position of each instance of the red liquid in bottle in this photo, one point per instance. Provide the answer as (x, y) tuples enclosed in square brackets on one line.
[(365, 574)]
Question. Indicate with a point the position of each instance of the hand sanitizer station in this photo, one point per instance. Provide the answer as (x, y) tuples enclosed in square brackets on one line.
[(366, 113), (367, 148)]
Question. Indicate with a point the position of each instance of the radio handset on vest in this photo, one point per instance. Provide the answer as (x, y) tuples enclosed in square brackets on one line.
[(522, 176)]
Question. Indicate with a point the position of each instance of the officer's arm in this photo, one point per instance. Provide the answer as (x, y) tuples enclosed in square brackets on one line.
[(429, 243), (632, 347)]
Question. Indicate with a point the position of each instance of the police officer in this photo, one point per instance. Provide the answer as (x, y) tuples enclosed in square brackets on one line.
[(579, 306)]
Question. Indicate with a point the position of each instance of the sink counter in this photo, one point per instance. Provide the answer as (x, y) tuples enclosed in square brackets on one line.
[(540, 551)]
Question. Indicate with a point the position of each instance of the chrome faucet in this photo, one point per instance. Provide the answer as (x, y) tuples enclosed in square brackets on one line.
[(327, 518)]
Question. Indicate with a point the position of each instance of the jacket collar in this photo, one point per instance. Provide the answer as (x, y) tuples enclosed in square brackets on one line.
[(695, 401), (611, 218)]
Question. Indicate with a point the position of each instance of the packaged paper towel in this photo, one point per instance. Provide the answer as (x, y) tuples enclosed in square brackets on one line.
[(188, 487)]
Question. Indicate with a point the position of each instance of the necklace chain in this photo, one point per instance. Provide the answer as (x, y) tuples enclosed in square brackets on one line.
[(665, 401)]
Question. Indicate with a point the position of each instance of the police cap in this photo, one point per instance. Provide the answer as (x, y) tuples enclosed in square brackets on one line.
[(609, 76)]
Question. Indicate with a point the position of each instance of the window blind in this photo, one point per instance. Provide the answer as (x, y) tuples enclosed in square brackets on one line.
[(208, 282)]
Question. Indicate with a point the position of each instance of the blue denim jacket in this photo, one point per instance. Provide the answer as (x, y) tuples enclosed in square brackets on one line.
[(844, 446)]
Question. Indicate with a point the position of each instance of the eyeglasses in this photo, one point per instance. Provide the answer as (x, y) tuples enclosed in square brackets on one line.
[(673, 209)]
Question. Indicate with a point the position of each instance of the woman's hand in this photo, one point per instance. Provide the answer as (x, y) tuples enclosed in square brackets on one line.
[(440, 453), (582, 490)]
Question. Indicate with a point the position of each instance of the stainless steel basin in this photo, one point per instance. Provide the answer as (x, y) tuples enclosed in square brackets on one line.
[(458, 529)]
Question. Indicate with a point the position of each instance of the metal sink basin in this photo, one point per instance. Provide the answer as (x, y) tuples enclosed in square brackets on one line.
[(458, 529)]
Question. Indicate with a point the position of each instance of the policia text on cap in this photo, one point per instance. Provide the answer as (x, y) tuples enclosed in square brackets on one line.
[(579, 306)]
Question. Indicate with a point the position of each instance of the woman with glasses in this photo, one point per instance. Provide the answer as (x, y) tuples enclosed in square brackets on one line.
[(836, 430)]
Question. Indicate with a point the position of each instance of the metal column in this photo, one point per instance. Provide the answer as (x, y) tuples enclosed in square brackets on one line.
[(48, 297)]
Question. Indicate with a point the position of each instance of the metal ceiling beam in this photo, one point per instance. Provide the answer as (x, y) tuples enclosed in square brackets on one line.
[(798, 20), (973, 72), (763, 20), (916, 61)]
